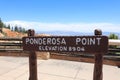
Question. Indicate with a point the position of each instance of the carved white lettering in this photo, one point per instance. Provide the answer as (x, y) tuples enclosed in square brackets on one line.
[(88, 41), (46, 41)]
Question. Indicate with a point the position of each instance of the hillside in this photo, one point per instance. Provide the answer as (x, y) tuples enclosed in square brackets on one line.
[(9, 33)]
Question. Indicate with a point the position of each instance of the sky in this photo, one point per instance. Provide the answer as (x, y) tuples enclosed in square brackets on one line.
[(62, 15)]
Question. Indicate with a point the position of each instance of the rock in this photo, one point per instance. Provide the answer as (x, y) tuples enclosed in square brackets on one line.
[(43, 55)]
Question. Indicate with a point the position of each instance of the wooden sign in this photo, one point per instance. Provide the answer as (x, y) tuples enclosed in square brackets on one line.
[(86, 44)]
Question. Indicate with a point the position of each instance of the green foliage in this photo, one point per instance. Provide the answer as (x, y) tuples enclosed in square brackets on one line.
[(20, 29), (1, 23), (8, 26), (15, 28), (113, 36)]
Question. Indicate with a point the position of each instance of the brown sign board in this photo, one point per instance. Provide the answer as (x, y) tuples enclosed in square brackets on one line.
[(86, 44)]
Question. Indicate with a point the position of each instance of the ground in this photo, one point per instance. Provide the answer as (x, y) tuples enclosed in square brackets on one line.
[(9, 33)]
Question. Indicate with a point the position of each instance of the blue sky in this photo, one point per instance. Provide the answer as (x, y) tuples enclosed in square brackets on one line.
[(68, 15)]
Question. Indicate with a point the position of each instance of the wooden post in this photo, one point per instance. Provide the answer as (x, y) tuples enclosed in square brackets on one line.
[(32, 60), (98, 74)]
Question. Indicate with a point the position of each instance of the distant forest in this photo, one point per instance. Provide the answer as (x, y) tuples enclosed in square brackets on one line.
[(12, 28)]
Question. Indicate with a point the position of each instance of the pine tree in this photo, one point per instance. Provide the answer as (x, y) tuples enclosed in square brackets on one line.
[(1, 23), (24, 31), (20, 29), (8, 26), (16, 28), (113, 36), (12, 29)]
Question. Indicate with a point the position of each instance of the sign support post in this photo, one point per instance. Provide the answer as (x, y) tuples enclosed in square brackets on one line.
[(32, 60), (98, 65)]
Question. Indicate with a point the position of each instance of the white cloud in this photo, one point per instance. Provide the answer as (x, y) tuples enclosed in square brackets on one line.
[(76, 27)]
